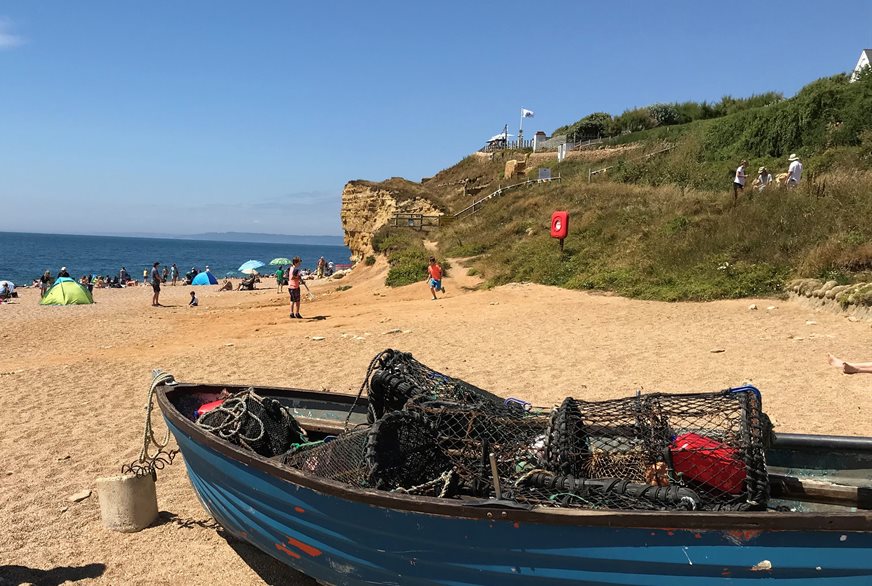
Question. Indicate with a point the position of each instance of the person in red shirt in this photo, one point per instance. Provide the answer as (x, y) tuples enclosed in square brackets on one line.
[(435, 273)]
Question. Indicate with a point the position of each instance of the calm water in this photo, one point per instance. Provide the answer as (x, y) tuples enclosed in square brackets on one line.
[(23, 257)]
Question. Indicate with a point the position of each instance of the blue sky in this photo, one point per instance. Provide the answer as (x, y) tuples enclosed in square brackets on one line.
[(176, 117)]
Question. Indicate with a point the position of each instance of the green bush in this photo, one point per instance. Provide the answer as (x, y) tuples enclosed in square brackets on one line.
[(407, 257), (369, 260)]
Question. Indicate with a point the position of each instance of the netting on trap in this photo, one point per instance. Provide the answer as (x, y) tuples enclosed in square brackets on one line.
[(398, 452), (430, 434), (711, 443), (261, 424), (396, 378)]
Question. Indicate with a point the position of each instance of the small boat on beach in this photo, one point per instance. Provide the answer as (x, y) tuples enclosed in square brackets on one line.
[(593, 493)]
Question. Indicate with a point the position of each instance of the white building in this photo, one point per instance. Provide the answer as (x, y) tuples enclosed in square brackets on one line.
[(864, 61)]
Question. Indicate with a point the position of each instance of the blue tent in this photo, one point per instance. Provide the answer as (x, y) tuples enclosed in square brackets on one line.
[(205, 278)]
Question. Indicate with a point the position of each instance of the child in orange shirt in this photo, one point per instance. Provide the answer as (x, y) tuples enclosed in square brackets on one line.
[(435, 272)]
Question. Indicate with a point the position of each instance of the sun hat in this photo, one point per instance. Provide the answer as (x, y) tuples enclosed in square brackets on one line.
[(793, 157), (63, 268), (761, 169)]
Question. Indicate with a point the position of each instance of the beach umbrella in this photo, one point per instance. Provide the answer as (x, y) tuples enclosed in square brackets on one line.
[(280, 261), (9, 284), (249, 266)]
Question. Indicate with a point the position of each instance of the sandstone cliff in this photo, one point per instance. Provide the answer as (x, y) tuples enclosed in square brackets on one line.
[(368, 206)]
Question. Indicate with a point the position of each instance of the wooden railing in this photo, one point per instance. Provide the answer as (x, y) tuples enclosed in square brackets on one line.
[(414, 221), (476, 205), (592, 172)]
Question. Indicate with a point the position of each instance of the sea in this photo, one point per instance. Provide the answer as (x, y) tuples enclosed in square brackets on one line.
[(24, 256)]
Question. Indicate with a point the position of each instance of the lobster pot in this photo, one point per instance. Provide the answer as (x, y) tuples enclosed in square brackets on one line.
[(261, 424), (400, 378), (468, 434), (711, 443), (341, 459)]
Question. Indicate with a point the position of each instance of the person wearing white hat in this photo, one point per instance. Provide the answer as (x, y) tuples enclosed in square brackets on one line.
[(63, 272), (794, 171), (764, 178)]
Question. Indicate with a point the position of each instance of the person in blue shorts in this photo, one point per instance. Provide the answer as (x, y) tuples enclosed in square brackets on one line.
[(435, 273)]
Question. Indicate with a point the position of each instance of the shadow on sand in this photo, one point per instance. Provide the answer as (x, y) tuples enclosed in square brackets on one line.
[(15, 575)]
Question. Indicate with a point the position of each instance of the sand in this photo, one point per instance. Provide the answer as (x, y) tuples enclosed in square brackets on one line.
[(74, 382)]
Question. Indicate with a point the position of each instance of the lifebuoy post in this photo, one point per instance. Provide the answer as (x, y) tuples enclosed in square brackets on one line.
[(560, 226)]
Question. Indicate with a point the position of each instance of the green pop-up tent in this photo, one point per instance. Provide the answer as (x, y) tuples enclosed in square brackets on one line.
[(66, 291)]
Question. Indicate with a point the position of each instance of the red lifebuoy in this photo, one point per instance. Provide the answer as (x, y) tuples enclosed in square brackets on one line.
[(559, 225)]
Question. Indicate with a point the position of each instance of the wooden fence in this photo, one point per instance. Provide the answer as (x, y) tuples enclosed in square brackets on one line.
[(477, 205), (592, 172), (415, 221)]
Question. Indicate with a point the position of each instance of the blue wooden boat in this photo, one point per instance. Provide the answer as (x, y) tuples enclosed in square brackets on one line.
[(343, 535)]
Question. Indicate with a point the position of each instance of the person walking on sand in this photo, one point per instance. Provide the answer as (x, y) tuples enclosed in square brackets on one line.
[(435, 273), (155, 284), (794, 171), (174, 273), (294, 282), (280, 277), (739, 180)]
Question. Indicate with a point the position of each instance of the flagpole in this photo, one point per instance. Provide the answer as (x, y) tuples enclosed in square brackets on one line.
[(521, 131)]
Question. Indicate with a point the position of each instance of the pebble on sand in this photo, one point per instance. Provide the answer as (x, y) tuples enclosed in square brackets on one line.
[(752, 307), (317, 338), (79, 496), (717, 350)]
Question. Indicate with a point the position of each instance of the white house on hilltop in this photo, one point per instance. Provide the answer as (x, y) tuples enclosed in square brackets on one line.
[(864, 61)]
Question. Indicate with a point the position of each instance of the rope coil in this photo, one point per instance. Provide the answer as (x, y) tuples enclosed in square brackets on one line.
[(149, 464)]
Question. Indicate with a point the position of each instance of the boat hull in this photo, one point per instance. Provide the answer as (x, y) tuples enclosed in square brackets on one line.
[(349, 541)]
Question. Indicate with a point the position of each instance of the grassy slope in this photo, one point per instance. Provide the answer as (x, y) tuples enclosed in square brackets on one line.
[(664, 227)]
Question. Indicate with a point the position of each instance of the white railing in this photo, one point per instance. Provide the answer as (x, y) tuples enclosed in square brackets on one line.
[(476, 205)]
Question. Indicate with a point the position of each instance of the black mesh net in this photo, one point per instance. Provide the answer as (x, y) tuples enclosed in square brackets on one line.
[(261, 424), (435, 435)]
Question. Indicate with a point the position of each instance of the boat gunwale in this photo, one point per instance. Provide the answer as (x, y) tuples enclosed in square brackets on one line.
[(662, 520)]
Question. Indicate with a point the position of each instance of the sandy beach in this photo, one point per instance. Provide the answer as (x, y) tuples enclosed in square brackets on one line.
[(74, 382)]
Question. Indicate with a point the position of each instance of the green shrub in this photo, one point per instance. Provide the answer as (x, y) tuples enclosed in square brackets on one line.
[(369, 260)]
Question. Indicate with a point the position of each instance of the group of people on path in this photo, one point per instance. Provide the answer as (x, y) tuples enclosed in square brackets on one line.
[(764, 178)]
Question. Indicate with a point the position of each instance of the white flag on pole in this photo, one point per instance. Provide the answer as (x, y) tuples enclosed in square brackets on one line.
[(526, 113)]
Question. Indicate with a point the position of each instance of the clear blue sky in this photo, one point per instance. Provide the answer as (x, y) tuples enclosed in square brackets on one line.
[(174, 117)]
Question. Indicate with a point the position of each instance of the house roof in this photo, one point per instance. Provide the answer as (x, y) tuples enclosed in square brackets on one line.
[(862, 63)]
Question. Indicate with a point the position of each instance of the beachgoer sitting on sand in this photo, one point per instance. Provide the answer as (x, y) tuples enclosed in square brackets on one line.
[(226, 285), (193, 302), (850, 367), (5, 293), (248, 284)]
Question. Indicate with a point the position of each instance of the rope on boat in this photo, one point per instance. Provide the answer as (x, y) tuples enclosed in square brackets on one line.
[(235, 411), (149, 464), (446, 478)]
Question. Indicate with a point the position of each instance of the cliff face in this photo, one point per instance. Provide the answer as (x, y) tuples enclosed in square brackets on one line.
[(366, 207)]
